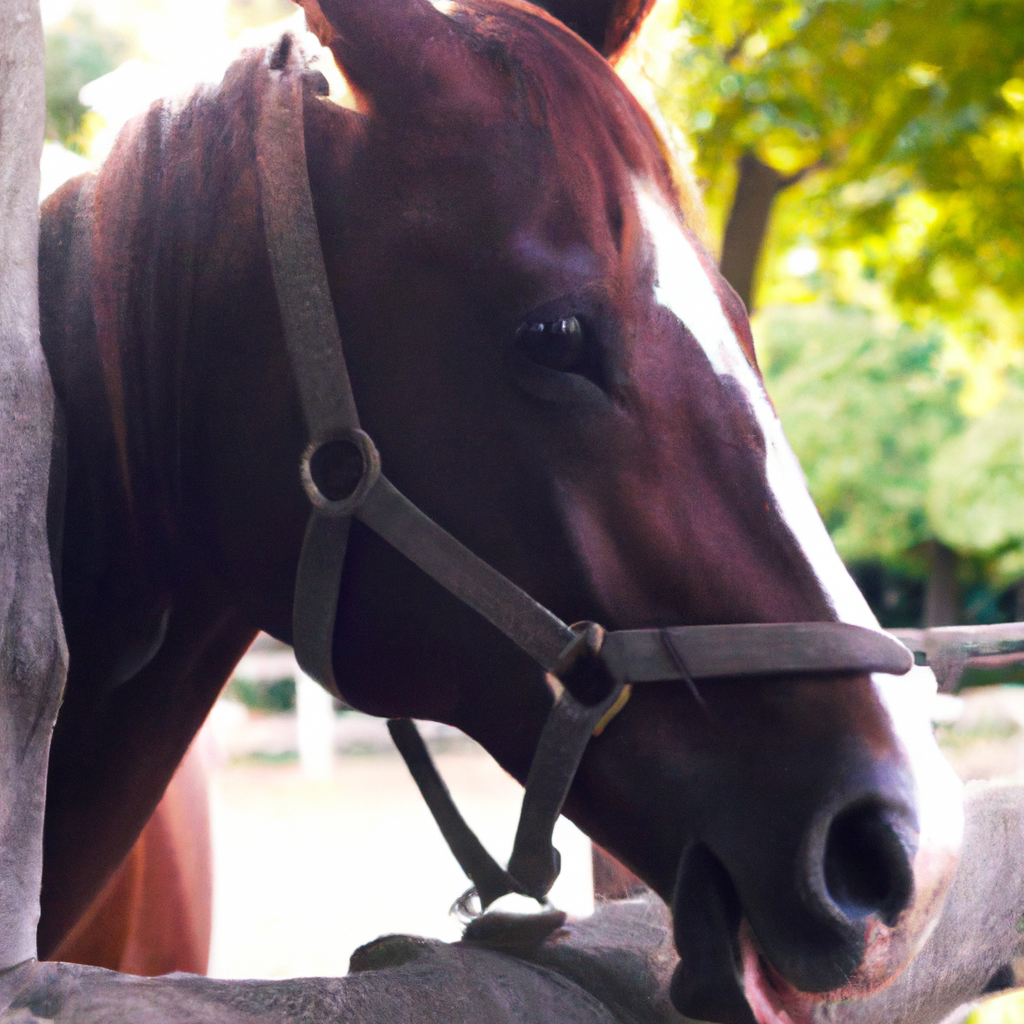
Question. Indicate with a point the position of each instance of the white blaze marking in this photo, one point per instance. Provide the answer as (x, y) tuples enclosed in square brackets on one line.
[(682, 286)]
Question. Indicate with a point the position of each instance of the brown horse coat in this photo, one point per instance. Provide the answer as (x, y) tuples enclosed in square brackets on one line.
[(154, 915)]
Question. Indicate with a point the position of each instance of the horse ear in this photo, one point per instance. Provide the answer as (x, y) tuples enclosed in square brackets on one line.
[(608, 25), (392, 53)]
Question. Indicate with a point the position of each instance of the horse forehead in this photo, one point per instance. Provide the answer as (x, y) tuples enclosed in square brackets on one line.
[(688, 287), (688, 283), (574, 262), (541, 83)]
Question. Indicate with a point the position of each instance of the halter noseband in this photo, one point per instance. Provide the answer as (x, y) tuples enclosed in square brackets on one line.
[(589, 671)]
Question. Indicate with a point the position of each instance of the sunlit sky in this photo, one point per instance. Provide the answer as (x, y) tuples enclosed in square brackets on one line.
[(178, 44)]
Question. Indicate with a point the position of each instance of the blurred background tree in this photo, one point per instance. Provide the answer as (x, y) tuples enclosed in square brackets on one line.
[(79, 49), (976, 490), (868, 410), (156, 48), (865, 157)]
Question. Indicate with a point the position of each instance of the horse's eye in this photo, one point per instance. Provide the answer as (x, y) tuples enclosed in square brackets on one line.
[(555, 344)]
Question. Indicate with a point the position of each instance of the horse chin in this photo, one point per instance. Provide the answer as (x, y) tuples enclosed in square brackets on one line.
[(708, 983), (742, 988), (725, 976), (772, 1000)]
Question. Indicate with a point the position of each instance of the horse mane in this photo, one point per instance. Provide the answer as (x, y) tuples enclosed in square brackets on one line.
[(158, 211), (165, 232)]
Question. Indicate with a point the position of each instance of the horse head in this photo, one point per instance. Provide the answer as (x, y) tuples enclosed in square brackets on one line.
[(515, 274), (553, 369)]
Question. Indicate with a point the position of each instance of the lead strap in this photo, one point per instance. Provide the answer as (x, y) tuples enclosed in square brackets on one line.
[(490, 880)]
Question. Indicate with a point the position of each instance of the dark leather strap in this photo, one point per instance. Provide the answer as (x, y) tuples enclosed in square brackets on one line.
[(752, 649), (489, 878), (315, 350), (535, 862)]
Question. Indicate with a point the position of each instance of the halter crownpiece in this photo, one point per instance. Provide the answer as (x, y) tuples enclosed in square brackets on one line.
[(589, 670)]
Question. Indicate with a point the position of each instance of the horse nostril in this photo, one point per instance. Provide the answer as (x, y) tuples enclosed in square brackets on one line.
[(867, 864)]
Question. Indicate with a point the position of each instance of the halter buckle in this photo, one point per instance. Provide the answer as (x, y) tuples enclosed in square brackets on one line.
[(581, 669)]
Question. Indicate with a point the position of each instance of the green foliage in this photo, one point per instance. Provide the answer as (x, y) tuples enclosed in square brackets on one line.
[(865, 411), (1004, 1009), (259, 696), (976, 496), (900, 124), (78, 50), (907, 117), (892, 461)]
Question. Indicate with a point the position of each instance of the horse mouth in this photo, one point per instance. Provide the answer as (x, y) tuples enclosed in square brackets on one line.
[(742, 987), (772, 999), (725, 975)]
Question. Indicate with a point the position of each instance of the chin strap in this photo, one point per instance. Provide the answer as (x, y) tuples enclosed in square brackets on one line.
[(535, 863), (588, 671), (570, 724)]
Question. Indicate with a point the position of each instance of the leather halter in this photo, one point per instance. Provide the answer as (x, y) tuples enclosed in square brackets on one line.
[(587, 669)]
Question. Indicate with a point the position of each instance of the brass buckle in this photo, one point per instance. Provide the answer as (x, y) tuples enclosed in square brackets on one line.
[(581, 669)]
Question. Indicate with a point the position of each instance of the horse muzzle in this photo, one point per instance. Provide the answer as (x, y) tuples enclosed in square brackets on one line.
[(767, 933)]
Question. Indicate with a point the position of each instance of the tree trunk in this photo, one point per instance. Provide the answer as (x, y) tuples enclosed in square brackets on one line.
[(942, 594), (33, 656), (747, 226)]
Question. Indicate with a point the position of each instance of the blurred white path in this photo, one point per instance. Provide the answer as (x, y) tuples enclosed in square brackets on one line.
[(308, 869)]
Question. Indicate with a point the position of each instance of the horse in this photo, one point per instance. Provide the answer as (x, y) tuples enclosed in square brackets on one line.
[(154, 915), (553, 369)]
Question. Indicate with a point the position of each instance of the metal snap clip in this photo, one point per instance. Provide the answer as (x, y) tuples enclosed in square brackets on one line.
[(338, 472)]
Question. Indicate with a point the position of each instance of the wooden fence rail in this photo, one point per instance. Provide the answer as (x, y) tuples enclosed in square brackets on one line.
[(950, 651)]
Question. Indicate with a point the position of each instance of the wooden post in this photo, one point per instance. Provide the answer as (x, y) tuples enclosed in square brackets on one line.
[(314, 713), (33, 656), (942, 594)]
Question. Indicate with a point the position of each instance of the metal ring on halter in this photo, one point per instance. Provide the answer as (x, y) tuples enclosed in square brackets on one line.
[(332, 453)]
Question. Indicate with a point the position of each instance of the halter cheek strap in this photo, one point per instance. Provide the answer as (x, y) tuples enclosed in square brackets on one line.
[(590, 672)]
